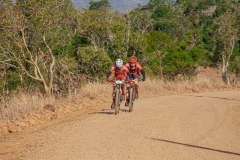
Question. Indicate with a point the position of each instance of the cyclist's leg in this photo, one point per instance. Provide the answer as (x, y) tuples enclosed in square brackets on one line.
[(127, 90), (122, 77), (127, 93), (123, 90)]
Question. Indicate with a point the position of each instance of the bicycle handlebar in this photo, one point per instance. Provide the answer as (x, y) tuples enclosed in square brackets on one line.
[(140, 80)]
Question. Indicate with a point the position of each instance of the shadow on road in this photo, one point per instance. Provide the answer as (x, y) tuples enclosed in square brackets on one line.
[(109, 111), (194, 146), (124, 110), (215, 97), (104, 111)]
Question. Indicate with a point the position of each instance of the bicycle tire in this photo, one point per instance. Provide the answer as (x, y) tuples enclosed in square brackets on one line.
[(117, 100), (134, 94), (130, 99), (120, 98)]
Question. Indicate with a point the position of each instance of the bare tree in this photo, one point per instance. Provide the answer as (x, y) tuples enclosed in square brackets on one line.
[(226, 35), (30, 31)]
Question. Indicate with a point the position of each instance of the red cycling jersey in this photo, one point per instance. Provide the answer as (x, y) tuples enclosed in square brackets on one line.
[(119, 72), (135, 70)]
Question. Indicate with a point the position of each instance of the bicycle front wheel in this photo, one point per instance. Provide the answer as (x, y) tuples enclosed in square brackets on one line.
[(117, 101), (134, 94)]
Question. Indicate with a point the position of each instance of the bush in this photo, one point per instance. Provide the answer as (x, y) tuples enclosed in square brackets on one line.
[(175, 63), (93, 62)]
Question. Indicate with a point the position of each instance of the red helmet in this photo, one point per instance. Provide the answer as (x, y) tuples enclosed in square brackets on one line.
[(133, 59)]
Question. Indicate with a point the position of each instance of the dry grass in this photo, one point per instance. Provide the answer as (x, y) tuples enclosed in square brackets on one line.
[(24, 107), (97, 90), (21, 106)]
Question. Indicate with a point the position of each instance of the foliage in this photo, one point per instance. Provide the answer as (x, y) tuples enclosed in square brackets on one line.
[(95, 5), (52, 43), (180, 62), (95, 26), (31, 42), (93, 62), (235, 60), (160, 11)]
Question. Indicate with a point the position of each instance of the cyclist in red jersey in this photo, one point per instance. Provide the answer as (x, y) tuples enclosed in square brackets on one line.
[(120, 71), (135, 68)]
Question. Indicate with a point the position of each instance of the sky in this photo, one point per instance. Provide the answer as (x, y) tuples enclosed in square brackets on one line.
[(120, 5)]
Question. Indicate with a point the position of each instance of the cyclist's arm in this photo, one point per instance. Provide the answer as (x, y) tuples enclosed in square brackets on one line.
[(108, 74), (143, 74), (128, 76)]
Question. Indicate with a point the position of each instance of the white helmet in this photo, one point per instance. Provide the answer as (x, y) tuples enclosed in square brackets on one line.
[(119, 63)]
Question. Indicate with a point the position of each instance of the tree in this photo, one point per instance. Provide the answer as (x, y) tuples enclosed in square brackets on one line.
[(95, 25), (178, 62), (95, 5), (109, 30), (158, 45), (140, 20), (31, 31), (128, 39), (92, 62), (154, 3), (225, 30)]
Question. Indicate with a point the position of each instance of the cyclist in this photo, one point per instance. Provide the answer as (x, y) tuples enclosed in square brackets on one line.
[(135, 68), (120, 71)]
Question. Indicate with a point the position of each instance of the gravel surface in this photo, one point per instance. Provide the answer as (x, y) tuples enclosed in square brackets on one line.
[(176, 127)]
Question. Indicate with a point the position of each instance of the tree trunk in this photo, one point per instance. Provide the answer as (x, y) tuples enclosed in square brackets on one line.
[(224, 69), (47, 91), (225, 62), (47, 88), (224, 76)]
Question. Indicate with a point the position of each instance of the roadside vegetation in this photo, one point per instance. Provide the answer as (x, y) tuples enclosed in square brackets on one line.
[(25, 110), (54, 57)]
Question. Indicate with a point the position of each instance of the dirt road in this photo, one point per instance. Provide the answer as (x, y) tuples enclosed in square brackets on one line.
[(176, 127)]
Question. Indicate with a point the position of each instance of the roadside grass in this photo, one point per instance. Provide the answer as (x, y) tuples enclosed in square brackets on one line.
[(25, 110)]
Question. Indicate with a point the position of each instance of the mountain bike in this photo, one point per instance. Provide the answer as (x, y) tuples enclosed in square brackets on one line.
[(117, 95)]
